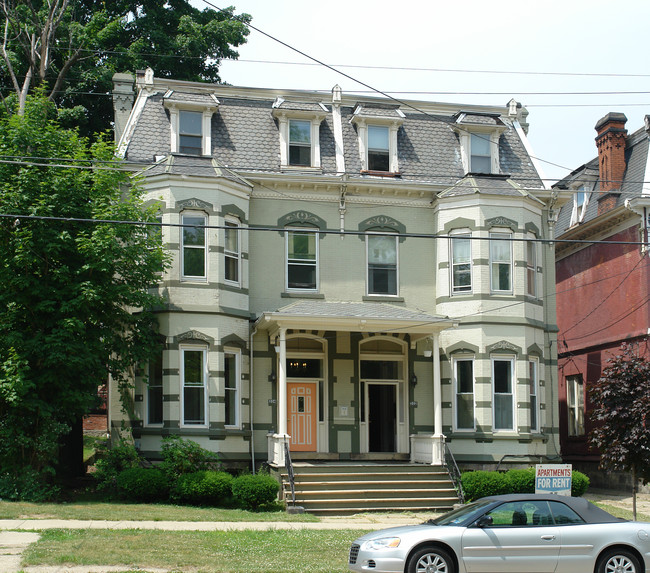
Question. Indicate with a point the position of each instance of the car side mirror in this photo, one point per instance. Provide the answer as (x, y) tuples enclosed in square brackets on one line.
[(485, 521)]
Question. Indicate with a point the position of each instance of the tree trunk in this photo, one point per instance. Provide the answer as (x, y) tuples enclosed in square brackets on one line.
[(634, 490)]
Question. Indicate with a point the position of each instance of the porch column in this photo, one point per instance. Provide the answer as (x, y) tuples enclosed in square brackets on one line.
[(437, 387), (282, 383)]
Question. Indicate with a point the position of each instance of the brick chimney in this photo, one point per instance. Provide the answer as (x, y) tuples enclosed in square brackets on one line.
[(610, 141)]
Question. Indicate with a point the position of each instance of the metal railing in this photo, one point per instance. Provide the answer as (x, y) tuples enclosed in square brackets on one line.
[(290, 474), (454, 473)]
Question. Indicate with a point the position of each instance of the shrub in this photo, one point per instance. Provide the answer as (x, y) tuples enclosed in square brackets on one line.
[(28, 485), (204, 488), (579, 484), (481, 483), (185, 457), (143, 485), (114, 460), (255, 492), (521, 481)]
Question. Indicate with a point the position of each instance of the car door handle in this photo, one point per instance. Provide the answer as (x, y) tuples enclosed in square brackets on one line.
[(548, 537)]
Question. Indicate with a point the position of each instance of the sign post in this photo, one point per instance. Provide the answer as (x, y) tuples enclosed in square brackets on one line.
[(553, 478)]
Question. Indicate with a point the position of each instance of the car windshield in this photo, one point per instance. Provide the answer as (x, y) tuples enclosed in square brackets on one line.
[(467, 513)]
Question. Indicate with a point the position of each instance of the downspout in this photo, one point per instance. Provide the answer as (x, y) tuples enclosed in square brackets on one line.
[(250, 408)]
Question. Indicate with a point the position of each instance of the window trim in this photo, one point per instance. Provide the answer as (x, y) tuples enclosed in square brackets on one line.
[(531, 267), (455, 361), (232, 223), (147, 397), (533, 380), (236, 352), (206, 111), (204, 276), (575, 382), (465, 132), (578, 209), (393, 125), (489, 138), (305, 230), (505, 234), (454, 236), (284, 117), (205, 373), (367, 241), (512, 393)]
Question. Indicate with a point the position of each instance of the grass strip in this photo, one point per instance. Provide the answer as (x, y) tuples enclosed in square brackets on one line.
[(274, 551), (138, 512)]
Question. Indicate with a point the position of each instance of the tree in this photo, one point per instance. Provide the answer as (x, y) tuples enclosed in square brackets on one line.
[(621, 406), (75, 46), (75, 297)]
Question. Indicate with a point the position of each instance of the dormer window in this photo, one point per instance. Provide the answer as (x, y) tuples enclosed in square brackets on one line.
[(580, 202), (377, 126), (299, 130), (190, 132), (479, 135), (190, 116)]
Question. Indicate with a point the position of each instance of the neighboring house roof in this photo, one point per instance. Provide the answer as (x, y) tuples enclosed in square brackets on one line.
[(492, 184), (244, 133)]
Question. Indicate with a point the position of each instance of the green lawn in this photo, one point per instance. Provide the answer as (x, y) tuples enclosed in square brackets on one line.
[(275, 551), (139, 512)]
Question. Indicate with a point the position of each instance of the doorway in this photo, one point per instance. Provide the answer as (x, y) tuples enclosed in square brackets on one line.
[(382, 417)]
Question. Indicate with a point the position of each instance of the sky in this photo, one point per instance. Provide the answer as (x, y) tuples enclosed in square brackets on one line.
[(569, 62)]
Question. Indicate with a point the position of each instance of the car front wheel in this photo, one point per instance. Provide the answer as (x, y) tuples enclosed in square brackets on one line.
[(618, 561), (432, 560)]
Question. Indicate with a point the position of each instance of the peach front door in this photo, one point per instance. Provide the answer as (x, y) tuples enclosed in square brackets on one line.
[(301, 413)]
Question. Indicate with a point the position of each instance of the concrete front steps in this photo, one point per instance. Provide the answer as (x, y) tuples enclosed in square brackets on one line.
[(330, 488)]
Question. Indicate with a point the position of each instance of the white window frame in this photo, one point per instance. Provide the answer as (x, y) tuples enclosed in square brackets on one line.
[(147, 394), (315, 118), (473, 143), (531, 266), (533, 394), (305, 230), (495, 264), (236, 390), (393, 125), (453, 288), (232, 224), (396, 238), (204, 276), (575, 401), (457, 393), (206, 111), (205, 374), (579, 208), (512, 393)]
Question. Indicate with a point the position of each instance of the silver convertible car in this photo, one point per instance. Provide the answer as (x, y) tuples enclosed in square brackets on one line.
[(510, 534)]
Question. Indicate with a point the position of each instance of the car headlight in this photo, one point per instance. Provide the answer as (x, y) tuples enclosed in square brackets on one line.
[(382, 543)]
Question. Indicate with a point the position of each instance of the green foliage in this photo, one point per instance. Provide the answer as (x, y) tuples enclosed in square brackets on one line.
[(481, 483), (109, 37), (112, 461), (477, 484), (521, 481), (206, 488), (144, 485), (28, 485), (66, 287), (620, 404), (255, 492), (185, 457), (579, 484)]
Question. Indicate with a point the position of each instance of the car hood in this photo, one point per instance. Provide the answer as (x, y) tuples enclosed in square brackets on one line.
[(402, 531)]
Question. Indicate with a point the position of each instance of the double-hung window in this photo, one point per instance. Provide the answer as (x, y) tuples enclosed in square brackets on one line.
[(382, 264), (464, 388), (299, 142), (155, 391), (194, 385), (302, 260), (190, 132), (503, 402), (533, 395), (531, 268), (194, 246), (461, 263), (232, 252), (231, 386), (480, 153), (378, 148), (576, 405), (500, 262)]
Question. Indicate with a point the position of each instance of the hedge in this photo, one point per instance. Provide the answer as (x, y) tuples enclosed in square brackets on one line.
[(142, 485), (208, 488), (255, 492)]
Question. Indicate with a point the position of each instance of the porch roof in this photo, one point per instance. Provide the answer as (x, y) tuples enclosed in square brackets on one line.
[(352, 317)]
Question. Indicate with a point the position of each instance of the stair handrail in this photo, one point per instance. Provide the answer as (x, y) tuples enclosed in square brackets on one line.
[(290, 474), (454, 473)]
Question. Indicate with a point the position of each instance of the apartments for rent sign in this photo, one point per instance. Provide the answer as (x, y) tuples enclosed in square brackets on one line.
[(553, 478)]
